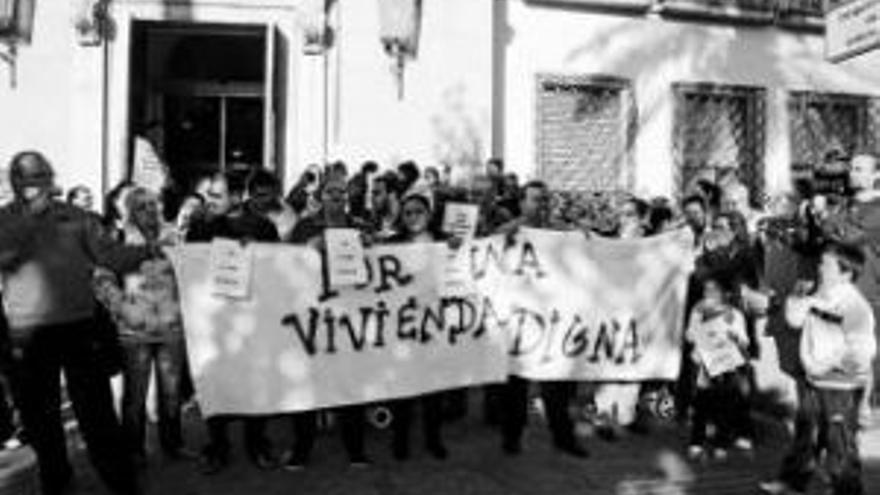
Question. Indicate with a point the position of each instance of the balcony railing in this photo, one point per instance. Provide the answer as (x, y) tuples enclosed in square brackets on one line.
[(786, 13), (801, 14), (746, 11), (807, 7), (794, 14), (801, 7)]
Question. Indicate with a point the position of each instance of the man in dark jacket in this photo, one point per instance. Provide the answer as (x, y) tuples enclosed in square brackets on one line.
[(535, 206), (227, 218), (48, 250)]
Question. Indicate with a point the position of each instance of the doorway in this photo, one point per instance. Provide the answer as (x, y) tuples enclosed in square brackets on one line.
[(199, 96)]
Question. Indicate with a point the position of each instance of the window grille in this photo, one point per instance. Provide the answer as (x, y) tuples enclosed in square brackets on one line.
[(585, 129)]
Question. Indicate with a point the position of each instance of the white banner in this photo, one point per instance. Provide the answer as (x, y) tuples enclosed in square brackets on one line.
[(551, 306)]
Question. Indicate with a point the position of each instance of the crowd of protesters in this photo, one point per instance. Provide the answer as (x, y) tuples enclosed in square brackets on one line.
[(93, 295)]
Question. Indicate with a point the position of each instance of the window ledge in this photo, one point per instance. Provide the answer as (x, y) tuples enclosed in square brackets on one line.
[(632, 6), (801, 22), (693, 9)]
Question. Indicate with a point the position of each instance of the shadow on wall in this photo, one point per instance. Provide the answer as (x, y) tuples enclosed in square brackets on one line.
[(458, 140), (656, 54)]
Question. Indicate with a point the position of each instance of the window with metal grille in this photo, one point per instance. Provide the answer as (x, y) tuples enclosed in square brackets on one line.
[(719, 127), (822, 122), (585, 129)]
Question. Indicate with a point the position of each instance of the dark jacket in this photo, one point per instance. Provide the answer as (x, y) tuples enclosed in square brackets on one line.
[(47, 261), (247, 226), (314, 226)]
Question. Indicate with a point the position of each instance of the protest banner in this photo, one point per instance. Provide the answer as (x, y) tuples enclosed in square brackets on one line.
[(549, 306), (602, 309), (147, 170), (298, 344)]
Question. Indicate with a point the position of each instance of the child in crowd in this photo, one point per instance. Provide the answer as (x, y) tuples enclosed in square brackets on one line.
[(717, 331), (837, 348)]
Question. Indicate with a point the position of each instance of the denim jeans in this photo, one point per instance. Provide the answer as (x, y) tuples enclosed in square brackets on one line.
[(826, 420), (140, 359)]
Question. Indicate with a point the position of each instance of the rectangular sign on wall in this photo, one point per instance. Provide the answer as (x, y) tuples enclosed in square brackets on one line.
[(851, 28)]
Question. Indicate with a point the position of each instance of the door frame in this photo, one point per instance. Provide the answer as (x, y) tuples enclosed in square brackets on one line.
[(278, 16)]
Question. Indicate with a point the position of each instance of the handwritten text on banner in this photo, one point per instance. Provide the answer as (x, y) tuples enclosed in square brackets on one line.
[(550, 306)]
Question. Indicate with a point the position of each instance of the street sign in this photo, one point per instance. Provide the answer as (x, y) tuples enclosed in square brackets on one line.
[(851, 28)]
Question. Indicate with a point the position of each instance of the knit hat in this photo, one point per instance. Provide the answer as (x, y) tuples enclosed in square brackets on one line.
[(421, 192)]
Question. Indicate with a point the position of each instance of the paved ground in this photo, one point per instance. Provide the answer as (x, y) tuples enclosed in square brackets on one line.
[(637, 465), (650, 464)]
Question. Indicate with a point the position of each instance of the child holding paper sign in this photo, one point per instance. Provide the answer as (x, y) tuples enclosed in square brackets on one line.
[(717, 331)]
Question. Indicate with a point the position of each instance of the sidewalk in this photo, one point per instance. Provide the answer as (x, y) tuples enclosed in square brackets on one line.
[(638, 464)]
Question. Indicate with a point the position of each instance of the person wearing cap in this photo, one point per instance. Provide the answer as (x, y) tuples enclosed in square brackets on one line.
[(415, 226), (837, 347), (48, 250)]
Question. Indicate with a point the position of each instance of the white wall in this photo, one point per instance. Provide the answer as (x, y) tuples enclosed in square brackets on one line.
[(655, 53), (55, 107), (445, 114)]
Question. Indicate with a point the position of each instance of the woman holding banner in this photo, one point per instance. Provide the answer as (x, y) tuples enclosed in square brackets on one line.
[(415, 218)]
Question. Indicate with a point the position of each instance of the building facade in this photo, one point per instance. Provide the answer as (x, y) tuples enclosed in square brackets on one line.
[(639, 95)]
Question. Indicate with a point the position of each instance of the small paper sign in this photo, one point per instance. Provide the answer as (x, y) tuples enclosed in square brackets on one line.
[(231, 268), (345, 257), (717, 351), (460, 219), (148, 170), (455, 275)]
